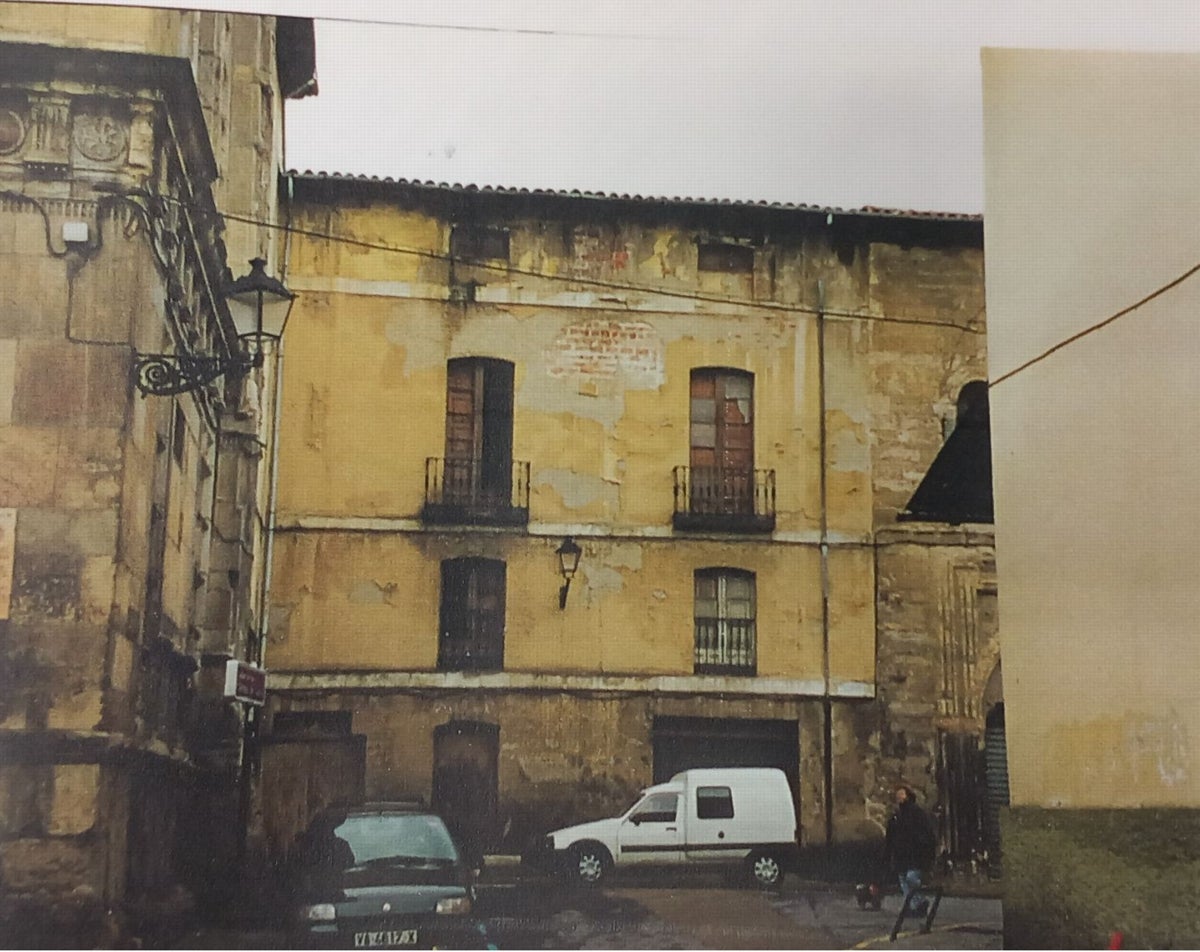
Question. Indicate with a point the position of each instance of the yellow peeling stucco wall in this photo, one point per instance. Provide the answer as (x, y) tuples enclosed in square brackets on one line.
[(599, 451), (369, 601), (601, 413)]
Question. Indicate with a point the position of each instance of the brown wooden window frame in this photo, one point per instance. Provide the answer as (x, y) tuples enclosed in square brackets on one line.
[(479, 431), (721, 440)]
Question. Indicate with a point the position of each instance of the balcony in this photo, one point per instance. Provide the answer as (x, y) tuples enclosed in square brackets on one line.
[(724, 500), (725, 646), (475, 492)]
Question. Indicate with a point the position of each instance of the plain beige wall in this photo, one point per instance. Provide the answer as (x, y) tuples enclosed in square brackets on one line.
[(1092, 201)]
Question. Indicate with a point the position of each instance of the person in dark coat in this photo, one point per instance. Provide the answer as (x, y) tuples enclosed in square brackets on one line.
[(911, 845)]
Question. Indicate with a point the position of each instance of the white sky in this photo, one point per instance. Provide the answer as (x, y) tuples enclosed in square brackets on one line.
[(824, 102)]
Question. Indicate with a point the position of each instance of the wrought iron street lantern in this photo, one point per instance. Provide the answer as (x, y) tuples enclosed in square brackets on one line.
[(568, 562), (259, 306)]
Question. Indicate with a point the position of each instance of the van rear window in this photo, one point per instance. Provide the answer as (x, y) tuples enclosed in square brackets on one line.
[(714, 803)]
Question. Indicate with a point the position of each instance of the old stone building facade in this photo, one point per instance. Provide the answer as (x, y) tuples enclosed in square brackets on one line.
[(725, 407), (133, 527)]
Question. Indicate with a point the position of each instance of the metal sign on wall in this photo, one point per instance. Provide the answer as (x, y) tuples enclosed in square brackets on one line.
[(244, 682)]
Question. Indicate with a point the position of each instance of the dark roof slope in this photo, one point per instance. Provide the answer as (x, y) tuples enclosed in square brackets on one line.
[(723, 219), (866, 210), (958, 486), (296, 56)]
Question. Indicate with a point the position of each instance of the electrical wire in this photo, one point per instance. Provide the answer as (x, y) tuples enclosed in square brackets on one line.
[(1095, 327), (699, 296), (503, 30), (579, 280)]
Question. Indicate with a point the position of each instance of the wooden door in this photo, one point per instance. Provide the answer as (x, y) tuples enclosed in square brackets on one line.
[(465, 783), (300, 775), (479, 415), (464, 430)]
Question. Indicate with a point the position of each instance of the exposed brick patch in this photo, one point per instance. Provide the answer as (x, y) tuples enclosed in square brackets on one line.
[(606, 349)]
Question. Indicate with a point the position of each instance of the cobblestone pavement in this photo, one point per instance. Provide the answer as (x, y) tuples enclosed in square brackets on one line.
[(961, 922), (653, 913)]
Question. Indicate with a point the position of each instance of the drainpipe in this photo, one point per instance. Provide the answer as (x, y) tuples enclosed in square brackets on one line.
[(273, 483), (827, 699), (252, 719)]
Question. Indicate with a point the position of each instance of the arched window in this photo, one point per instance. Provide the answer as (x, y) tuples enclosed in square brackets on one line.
[(724, 621)]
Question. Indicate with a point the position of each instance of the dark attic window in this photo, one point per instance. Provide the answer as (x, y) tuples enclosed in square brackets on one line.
[(958, 486), (479, 243), (726, 258)]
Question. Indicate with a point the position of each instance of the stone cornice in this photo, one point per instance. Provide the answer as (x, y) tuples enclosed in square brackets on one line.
[(131, 127), (535, 682), (38, 65)]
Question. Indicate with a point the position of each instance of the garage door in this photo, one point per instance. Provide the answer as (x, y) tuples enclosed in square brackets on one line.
[(681, 743)]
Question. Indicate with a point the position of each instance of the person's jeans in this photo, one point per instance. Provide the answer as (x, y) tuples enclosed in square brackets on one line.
[(910, 882)]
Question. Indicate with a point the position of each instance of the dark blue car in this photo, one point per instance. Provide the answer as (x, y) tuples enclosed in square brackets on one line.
[(382, 876)]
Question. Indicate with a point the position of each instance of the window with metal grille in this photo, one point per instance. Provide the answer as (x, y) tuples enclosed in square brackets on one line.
[(724, 620), (472, 615)]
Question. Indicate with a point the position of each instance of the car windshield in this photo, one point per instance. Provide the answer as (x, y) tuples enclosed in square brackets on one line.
[(382, 839)]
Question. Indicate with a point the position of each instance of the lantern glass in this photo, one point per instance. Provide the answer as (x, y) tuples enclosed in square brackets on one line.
[(259, 304), (568, 558)]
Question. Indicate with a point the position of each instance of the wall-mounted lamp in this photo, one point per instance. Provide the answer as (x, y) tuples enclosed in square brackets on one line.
[(568, 561), (259, 306)]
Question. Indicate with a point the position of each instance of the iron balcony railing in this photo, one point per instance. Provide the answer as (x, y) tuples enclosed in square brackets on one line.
[(475, 492), (725, 646), (736, 500)]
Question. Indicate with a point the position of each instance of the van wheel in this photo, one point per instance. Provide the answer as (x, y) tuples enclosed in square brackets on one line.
[(589, 863), (765, 869)]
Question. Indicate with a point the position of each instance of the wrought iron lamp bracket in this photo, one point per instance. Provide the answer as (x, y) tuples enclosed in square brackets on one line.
[(161, 375)]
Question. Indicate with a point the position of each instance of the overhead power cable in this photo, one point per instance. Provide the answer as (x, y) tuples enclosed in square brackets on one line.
[(577, 279), (1111, 319), (502, 30)]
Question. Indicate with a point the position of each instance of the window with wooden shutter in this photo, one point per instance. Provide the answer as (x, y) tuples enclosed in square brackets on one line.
[(722, 441), (479, 417), (472, 615)]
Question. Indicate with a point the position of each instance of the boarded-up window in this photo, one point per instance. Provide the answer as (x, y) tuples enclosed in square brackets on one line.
[(726, 258), (725, 621), (479, 243), (726, 269), (472, 615)]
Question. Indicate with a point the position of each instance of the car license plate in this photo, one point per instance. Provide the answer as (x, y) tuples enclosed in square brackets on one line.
[(385, 938)]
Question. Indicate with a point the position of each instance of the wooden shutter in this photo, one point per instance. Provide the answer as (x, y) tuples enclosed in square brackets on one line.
[(472, 615), (722, 441)]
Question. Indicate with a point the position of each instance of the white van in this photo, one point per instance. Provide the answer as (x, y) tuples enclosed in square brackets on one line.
[(741, 815)]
